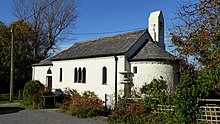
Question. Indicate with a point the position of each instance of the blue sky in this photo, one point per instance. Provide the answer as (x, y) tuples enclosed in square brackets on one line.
[(107, 16)]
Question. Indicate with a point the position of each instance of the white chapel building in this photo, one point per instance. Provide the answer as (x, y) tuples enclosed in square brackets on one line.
[(105, 65)]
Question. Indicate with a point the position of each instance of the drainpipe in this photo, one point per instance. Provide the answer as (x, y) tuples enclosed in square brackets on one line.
[(116, 84)]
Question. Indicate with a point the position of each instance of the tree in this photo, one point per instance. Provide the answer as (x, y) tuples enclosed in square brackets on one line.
[(4, 57), (50, 21), (196, 32), (23, 56)]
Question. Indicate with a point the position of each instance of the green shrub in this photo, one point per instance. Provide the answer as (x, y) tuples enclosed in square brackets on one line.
[(187, 97), (162, 118), (33, 90), (156, 93)]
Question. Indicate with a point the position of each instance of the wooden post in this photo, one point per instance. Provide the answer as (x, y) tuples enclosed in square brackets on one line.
[(54, 100), (105, 104), (12, 64), (19, 95)]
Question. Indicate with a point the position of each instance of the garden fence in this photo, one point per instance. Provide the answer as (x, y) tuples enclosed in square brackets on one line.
[(209, 112)]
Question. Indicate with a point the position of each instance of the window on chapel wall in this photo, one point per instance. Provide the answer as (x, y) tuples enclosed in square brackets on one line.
[(135, 69), (79, 75), (49, 71), (61, 74), (84, 75), (104, 75), (75, 75)]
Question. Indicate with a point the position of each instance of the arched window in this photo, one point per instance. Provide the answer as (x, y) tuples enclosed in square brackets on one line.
[(104, 75), (84, 75), (79, 75), (49, 71), (61, 74), (75, 75)]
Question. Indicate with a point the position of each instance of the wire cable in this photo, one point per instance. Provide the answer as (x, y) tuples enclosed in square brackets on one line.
[(107, 32), (40, 9)]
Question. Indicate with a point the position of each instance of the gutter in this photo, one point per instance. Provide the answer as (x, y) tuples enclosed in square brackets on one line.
[(116, 84)]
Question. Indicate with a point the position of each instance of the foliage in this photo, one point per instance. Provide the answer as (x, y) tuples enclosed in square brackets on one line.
[(130, 112), (90, 94), (137, 113), (47, 92), (30, 104), (69, 93), (156, 93), (33, 90), (209, 78), (196, 31), (187, 95), (156, 88), (23, 54), (83, 106), (162, 118), (34, 36)]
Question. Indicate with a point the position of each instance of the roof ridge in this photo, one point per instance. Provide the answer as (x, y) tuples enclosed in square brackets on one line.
[(111, 36)]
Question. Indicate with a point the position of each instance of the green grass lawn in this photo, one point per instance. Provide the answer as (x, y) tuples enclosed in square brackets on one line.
[(6, 101)]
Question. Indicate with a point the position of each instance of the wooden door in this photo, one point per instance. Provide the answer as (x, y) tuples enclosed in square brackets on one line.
[(49, 82)]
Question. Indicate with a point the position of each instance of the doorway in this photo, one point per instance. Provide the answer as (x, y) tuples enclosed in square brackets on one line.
[(49, 83)]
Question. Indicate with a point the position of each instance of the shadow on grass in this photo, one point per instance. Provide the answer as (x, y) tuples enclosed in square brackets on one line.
[(9, 110)]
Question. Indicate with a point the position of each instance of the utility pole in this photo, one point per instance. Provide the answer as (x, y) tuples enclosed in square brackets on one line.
[(12, 63)]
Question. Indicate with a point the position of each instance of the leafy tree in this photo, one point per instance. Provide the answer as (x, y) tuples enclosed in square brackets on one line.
[(196, 31), (23, 54), (4, 57)]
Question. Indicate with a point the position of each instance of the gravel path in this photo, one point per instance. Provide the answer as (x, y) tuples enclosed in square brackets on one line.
[(12, 114)]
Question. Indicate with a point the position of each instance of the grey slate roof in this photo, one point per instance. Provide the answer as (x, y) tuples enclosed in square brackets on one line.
[(44, 62), (112, 45), (151, 51)]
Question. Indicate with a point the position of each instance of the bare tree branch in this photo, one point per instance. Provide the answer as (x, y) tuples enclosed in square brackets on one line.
[(49, 20)]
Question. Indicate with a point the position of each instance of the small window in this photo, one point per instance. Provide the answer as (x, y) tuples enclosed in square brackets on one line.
[(61, 74), (75, 75), (84, 75), (79, 75), (49, 71), (135, 70), (104, 75)]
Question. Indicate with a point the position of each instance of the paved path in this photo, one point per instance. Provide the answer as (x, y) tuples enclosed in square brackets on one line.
[(12, 114)]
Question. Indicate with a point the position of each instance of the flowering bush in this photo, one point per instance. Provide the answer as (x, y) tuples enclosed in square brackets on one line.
[(129, 113), (83, 106)]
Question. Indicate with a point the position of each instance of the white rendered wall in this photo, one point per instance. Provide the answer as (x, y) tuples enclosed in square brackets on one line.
[(147, 71), (93, 74), (156, 28), (40, 73)]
